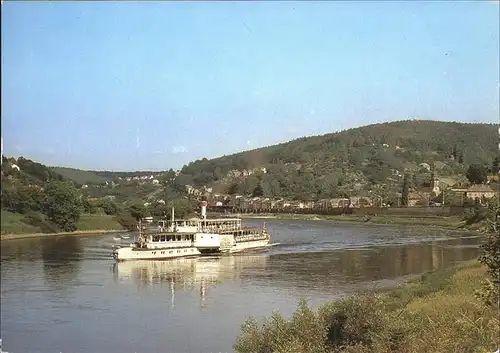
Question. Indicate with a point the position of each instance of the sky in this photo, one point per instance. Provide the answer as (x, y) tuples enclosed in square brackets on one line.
[(155, 85)]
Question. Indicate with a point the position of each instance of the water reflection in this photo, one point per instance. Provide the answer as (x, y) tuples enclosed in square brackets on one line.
[(327, 269), (324, 271), (59, 291), (21, 250), (61, 260), (188, 274)]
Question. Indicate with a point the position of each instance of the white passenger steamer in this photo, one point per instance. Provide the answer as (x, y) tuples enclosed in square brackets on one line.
[(192, 237)]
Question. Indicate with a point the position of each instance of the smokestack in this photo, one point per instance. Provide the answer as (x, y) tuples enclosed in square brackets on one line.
[(203, 205)]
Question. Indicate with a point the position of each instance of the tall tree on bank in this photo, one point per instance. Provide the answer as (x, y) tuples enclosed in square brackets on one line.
[(476, 174), (491, 253), (62, 205), (258, 190), (406, 190), (495, 165)]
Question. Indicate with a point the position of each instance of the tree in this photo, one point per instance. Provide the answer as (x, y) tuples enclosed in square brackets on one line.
[(258, 191), (137, 211), (476, 174), (61, 204), (109, 206), (88, 206), (405, 192), (232, 189), (491, 251), (182, 208), (495, 165), (454, 152)]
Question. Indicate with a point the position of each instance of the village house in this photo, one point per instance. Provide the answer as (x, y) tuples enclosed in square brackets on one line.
[(493, 177), (480, 192), (192, 191), (418, 198), (359, 201), (323, 204), (266, 204)]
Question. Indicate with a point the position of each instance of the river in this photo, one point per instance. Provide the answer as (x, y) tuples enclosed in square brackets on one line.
[(66, 294)]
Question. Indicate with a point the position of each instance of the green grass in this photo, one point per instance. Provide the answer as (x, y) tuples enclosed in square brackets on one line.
[(11, 224), (438, 312), (97, 222)]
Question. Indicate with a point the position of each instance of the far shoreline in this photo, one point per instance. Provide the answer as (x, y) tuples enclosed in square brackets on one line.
[(15, 236), (449, 222)]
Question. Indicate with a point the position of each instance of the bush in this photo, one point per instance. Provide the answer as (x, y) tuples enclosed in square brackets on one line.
[(304, 333), (37, 220), (437, 313), (475, 214), (490, 257), (126, 220)]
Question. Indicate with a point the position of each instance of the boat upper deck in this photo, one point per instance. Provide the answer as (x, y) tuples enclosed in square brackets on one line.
[(193, 225)]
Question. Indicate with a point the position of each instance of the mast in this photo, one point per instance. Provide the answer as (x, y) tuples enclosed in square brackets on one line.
[(173, 219)]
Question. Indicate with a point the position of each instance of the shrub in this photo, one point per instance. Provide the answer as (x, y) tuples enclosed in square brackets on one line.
[(126, 221), (37, 220), (437, 313)]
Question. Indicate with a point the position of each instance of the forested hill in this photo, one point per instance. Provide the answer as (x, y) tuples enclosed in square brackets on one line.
[(358, 158), (26, 172)]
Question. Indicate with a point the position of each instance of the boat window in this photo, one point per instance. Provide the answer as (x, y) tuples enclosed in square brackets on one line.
[(178, 251), (156, 238), (178, 238), (171, 252), (162, 238)]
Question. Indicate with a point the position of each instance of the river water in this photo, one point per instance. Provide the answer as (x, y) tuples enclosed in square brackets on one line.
[(66, 294)]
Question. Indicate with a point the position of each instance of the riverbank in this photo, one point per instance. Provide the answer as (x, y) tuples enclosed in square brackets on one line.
[(75, 233), (13, 227), (454, 222), (437, 312)]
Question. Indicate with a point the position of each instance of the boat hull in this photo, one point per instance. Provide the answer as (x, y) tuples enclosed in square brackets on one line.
[(250, 246), (130, 253)]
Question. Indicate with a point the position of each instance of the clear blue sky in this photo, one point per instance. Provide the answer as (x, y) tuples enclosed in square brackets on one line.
[(154, 85)]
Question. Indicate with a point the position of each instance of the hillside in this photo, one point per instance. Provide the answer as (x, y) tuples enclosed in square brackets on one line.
[(40, 199), (80, 176), (350, 161), (25, 171)]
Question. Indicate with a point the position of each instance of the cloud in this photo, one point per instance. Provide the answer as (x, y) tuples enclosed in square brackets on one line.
[(179, 149)]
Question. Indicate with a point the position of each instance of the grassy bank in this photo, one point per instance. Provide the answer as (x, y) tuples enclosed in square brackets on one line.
[(435, 313), (447, 222), (13, 226), (92, 222)]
